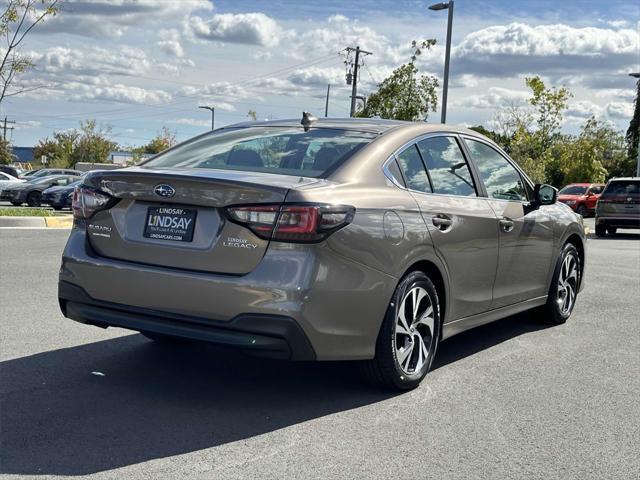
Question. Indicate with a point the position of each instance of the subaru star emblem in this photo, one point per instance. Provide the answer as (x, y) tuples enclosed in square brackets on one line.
[(164, 190)]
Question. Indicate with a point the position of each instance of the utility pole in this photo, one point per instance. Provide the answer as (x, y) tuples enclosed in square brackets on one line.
[(354, 80), (213, 114), (5, 128), (326, 104)]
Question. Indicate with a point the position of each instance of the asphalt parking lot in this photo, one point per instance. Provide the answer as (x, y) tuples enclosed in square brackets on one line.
[(514, 399)]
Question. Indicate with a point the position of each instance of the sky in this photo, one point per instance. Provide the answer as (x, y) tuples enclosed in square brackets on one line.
[(136, 66)]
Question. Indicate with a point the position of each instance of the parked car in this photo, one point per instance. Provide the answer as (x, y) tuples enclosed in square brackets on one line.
[(31, 192), (618, 206), (60, 197), (352, 239), (7, 180), (13, 171), (46, 172), (581, 197)]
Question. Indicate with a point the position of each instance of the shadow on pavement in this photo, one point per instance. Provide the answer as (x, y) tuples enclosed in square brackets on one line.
[(155, 401)]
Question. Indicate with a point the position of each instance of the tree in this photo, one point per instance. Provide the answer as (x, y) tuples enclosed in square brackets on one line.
[(252, 115), (87, 144), (59, 149), (404, 95), (633, 136), (549, 103), (16, 21), (6, 155), (163, 140), (93, 144)]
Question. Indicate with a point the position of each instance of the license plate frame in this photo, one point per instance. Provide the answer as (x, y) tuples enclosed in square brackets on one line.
[(170, 223)]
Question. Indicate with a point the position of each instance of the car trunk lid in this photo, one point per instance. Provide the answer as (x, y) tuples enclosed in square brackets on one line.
[(176, 217)]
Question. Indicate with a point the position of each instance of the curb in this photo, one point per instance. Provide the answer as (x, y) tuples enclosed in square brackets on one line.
[(37, 222)]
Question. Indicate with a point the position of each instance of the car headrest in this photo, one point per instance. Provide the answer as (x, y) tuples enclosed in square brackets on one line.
[(324, 158), (244, 157)]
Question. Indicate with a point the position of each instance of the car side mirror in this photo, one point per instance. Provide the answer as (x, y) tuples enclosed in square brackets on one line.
[(544, 194)]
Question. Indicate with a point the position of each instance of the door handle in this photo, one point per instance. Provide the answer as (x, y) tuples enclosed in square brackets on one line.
[(506, 224), (442, 222)]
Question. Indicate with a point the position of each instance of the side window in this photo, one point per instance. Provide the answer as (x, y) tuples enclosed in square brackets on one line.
[(447, 167), (412, 168), (500, 178), (596, 189)]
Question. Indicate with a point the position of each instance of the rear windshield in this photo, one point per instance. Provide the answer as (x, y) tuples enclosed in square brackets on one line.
[(573, 190), (629, 188), (282, 150)]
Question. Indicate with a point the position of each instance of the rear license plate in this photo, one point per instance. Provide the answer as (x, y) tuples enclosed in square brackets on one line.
[(170, 223)]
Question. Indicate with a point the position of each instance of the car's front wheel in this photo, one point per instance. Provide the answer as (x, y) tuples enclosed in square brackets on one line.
[(34, 199), (601, 231), (612, 230), (409, 335), (564, 286)]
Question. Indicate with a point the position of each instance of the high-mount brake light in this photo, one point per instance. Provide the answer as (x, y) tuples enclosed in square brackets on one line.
[(292, 223), (86, 202)]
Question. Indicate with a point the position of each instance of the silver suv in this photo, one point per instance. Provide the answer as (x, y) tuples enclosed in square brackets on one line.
[(352, 239)]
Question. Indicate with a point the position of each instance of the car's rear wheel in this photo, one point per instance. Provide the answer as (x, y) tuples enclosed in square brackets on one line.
[(34, 199), (564, 286), (409, 335), (16, 204), (612, 230), (601, 231), (582, 210)]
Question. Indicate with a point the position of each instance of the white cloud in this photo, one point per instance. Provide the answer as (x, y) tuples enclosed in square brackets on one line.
[(112, 18), (192, 122), (496, 97), (245, 28), (27, 124), (509, 50), (620, 110), (170, 44)]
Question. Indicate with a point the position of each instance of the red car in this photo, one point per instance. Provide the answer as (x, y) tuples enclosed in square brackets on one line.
[(581, 197)]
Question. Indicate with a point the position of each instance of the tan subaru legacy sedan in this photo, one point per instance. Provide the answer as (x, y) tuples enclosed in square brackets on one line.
[(326, 239)]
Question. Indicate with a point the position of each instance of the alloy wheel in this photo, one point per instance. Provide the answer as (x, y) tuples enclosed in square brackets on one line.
[(567, 284), (414, 330)]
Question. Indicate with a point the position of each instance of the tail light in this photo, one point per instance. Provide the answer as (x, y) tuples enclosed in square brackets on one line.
[(87, 201), (292, 223)]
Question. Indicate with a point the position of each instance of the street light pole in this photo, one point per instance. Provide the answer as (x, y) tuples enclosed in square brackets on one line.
[(637, 76), (447, 55), (213, 114)]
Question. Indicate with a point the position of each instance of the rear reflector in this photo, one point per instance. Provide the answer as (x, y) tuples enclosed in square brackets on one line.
[(292, 223)]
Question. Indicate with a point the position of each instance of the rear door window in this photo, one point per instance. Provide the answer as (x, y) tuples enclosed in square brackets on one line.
[(500, 178), (448, 169), (413, 171)]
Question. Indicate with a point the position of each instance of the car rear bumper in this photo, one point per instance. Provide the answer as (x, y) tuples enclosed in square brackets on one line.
[(336, 303), (619, 222), (275, 336)]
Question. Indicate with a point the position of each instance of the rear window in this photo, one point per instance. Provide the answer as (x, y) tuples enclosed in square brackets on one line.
[(573, 190), (281, 150), (630, 188)]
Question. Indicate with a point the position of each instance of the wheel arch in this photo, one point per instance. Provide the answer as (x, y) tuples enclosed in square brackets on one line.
[(575, 240), (439, 280)]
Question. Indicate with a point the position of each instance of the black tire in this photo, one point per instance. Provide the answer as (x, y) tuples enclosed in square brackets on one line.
[(384, 370), (612, 230), (582, 210), (16, 204), (34, 199), (553, 312), (57, 208), (601, 231)]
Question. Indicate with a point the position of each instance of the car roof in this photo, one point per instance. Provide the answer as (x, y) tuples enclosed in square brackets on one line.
[(636, 179), (369, 125)]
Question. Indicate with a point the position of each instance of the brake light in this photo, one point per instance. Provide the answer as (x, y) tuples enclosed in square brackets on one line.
[(292, 223), (86, 202)]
